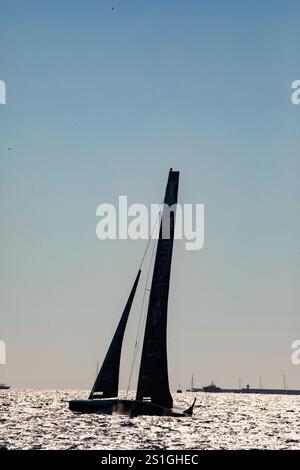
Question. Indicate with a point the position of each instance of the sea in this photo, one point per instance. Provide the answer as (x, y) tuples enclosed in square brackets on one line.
[(35, 419)]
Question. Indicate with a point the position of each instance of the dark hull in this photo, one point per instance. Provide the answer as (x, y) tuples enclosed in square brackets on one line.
[(117, 406), (4, 387)]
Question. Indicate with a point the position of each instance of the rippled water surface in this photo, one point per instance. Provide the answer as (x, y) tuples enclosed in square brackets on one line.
[(32, 419)]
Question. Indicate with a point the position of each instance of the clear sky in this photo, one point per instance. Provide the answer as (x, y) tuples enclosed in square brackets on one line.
[(100, 103)]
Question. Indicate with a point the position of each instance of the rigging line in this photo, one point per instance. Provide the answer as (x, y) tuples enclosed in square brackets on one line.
[(146, 289), (141, 324), (137, 338), (150, 238), (159, 215)]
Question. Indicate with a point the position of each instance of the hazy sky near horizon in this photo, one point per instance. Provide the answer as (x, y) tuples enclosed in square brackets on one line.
[(101, 103)]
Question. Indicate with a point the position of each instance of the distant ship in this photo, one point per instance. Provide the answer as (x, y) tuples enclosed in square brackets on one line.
[(212, 388), (153, 396), (4, 387)]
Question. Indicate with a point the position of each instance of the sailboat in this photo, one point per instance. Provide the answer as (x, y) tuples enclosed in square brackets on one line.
[(153, 396)]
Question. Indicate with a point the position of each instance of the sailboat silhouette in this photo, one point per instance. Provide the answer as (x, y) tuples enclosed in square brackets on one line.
[(153, 396)]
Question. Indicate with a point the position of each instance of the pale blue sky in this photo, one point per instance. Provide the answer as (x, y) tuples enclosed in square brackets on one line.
[(102, 102)]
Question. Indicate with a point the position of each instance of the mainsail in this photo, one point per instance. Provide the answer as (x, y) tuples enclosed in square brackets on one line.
[(107, 381), (153, 382)]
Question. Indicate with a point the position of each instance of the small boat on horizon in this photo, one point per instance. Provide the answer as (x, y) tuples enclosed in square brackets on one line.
[(4, 387), (153, 396)]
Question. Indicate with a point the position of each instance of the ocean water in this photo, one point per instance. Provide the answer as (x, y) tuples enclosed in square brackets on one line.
[(31, 419)]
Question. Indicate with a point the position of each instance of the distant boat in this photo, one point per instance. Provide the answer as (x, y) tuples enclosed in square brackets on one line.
[(211, 388), (4, 387), (153, 395)]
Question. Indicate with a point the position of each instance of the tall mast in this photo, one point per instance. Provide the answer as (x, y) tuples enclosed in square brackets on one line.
[(153, 382)]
